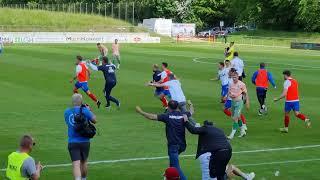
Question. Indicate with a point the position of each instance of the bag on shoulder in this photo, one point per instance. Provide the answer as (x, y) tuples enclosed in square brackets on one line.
[(82, 126)]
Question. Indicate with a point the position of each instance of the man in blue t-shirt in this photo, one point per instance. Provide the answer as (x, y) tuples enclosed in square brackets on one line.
[(109, 74), (175, 131), (78, 146)]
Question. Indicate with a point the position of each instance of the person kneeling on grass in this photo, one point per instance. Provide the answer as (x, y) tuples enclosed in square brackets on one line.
[(212, 140), (78, 145), (175, 132)]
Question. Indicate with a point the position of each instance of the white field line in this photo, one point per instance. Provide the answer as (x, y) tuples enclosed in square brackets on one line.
[(279, 162), (192, 155), (295, 66)]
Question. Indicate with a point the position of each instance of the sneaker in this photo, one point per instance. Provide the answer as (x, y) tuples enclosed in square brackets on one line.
[(265, 109), (119, 104), (260, 112), (245, 127), (242, 133), (98, 104), (284, 130), (250, 176), (308, 123), (230, 137), (108, 107)]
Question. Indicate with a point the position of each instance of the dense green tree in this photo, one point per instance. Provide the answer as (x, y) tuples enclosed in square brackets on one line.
[(267, 14)]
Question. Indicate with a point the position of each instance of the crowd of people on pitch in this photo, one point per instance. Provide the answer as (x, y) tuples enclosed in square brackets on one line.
[(214, 150)]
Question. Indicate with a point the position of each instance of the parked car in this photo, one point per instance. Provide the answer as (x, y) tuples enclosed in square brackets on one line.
[(213, 31)]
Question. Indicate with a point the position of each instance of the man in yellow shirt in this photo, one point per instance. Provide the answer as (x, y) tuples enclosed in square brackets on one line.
[(21, 166), (230, 51)]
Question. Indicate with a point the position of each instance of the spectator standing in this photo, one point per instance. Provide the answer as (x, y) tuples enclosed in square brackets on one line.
[(21, 165), (78, 145)]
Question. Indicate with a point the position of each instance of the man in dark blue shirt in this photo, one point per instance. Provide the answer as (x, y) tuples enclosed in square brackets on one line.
[(108, 70), (175, 132)]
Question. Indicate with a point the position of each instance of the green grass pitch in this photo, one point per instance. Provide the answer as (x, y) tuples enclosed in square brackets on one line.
[(34, 92)]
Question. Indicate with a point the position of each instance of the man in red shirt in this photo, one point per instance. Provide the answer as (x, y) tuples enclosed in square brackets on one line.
[(82, 77), (291, 93)]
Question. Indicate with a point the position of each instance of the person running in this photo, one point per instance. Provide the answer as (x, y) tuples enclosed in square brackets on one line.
[(223, 75), (82, 77), (228, 102), (237, 91), (108, 70), (159, 90), (164, 75), (261, 79), (230, 51), (238, 64), (103, 51), (291, 93), (175, 132), (116, 53), (227, 65)]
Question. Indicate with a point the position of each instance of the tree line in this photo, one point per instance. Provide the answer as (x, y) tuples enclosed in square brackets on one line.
[(291, 15)]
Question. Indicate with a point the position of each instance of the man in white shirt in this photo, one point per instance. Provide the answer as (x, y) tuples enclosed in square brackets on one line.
[(175, 90), (176, 93), (223, 76), (238, 64)]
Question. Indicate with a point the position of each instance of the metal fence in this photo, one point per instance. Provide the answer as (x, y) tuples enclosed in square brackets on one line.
[(124, 11), (264, 41), (95, 28)]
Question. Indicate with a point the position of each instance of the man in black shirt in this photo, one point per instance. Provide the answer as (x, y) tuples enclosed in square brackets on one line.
[(213, 140), (108, 70), (175, 132)]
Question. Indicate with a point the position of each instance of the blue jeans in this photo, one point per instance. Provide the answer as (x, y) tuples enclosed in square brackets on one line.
[(173, 152)]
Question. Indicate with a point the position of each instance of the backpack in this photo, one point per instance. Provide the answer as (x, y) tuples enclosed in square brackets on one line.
[(82, 126)]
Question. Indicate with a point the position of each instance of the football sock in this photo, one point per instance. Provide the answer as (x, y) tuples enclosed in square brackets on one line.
[(235, 126), (240, 123), (93, 97), (227, 112), (301, 116), (286, 121), (164, 101), (243, 119)]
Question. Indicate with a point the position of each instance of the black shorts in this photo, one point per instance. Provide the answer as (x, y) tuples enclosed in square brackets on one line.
[(79, 151)]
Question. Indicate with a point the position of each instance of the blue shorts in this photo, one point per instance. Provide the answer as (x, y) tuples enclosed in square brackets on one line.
[(295, 106), (164, 92), (82, 85), (227, 104), (224, 90)]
